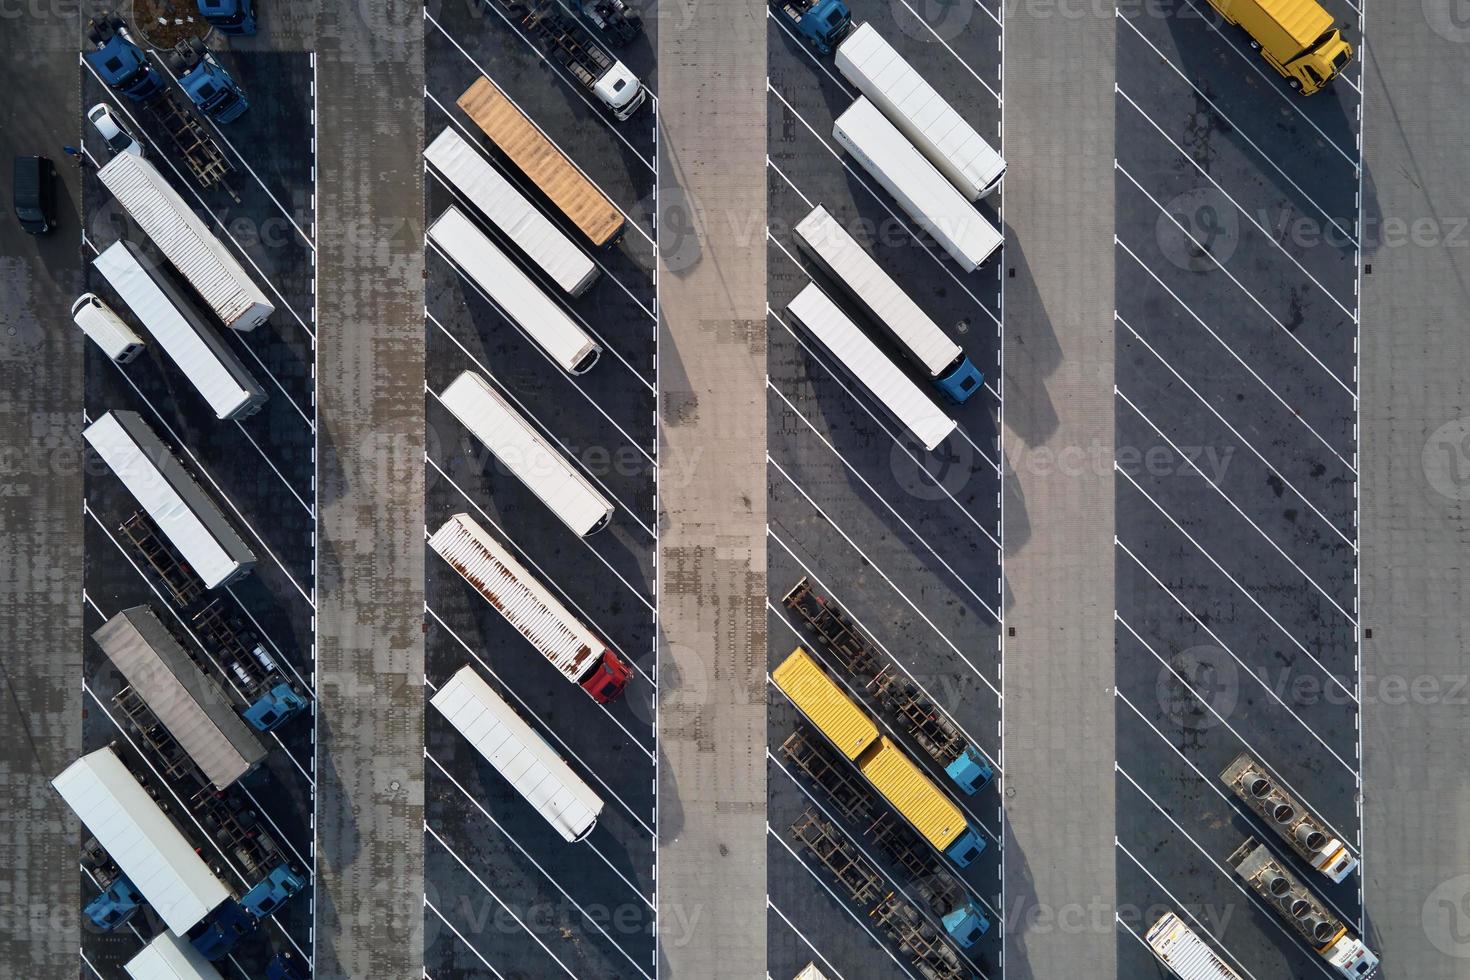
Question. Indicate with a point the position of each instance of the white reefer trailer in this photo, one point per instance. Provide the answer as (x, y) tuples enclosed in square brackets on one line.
[(211, 367), (190, 247), (922, 191), (899, 396), (140, 838), (518, 754), (1184, 953), (560, 637), (185, 515), (517, 444), (499, 200), (168, 957), (536, 313), (939, 132)]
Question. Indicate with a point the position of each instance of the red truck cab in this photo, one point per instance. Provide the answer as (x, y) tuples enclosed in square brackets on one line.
[(607, 679)]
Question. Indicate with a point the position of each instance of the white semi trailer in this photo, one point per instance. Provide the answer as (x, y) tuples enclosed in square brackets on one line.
[(1186, 955), (518, 754), (939, 132), (168, 957), (182, 237), (921, 190)]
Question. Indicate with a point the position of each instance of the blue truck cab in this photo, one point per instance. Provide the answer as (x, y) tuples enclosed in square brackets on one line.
[(960, 380), (274, 708), (821, 24), (272, 891), (965, 848), (966, 924), (121, 63), (233, 17), (216, 935), (970, 772), (115, 905), (283, 967), (206, 83)]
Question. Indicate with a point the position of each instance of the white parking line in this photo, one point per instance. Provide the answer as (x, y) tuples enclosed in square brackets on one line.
[(863, 180), (837, 899), (993, 16), (629, 218), (1295, 413), (1274, 470), (86, 509), (511, 176), (526, 708), (1221, 643), (526, 854), (304, 505), (809, 945), (470, 946), (1243, 590), (1233, 506), (1235, 806), (1243, 288), (847, 610), (160, 155), (884, 501), (945, 44), (1228, 875), (1236, 129), (1273, 239)]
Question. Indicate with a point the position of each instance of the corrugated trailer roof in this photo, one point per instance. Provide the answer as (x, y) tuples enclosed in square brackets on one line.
[(148, 848), (1185, 953), (517, 444), (529, 149), (501, 202), (200, 257), (168, 957), (903, 399), (517, 595), (848, 262), (210, 366), (903, 784), (518, 754), (827, 705), (165, 490), (1303, 21), (190, 705)]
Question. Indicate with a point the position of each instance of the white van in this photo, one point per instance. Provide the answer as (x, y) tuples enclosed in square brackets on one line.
[(106, 328)]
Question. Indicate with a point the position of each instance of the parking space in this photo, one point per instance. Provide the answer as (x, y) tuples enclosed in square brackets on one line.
[(260, 470), (1237, 264), (905, 541), (505, 895)]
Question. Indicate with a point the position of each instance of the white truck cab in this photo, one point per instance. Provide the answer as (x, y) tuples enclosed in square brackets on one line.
[(106, 328), (620, 90)]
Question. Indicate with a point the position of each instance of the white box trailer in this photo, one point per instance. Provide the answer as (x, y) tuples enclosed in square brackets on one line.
[(106, 329), (543, 320), (211, 367), (519, 754), (1184, 953), (810, 972), (168, 957), (842, 258), (517, 444), (939, 132), (182, 237), (529, 606), (507, 208), (899, 396), (185, 515), (140, 838), (922, 191)]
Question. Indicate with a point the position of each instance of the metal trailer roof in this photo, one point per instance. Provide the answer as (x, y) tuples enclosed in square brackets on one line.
[(839, 254), (810, 972), (517, 294), (903, 399), (210, 366), (519, 754), (183, 512), (1185, 953), (538, 158), (827, 705), (514, 441), (507, 208), (516, 594), (200, 257), (140, 838), (168, 957), (939, 132), (190, 705), (922, 191), (913, 794)]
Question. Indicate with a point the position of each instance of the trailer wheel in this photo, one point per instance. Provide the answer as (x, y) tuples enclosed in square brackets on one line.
[(1255, 45), (1293, 84)]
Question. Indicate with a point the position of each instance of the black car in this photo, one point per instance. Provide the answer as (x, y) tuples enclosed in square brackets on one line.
[(35, 194)]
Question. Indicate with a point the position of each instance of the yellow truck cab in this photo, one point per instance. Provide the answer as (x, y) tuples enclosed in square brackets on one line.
[(1297, 37)]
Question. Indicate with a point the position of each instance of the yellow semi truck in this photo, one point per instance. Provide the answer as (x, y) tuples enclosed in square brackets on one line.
[(1296, 37)]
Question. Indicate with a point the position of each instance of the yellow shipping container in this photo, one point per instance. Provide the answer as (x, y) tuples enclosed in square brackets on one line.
[(904, 785), (824, 703)]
